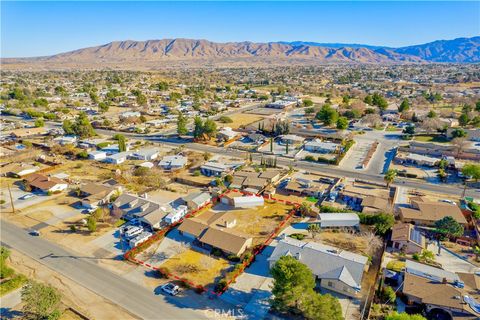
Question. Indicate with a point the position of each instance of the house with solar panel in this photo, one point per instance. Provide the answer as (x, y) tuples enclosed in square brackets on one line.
[(336, 270), (408, 239)]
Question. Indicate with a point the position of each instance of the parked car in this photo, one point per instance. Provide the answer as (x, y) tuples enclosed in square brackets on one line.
[(448, 201), (27, 196), (133, 232), (171, 289), (35, 233)]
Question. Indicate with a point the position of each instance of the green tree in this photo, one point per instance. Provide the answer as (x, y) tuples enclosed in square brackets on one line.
[(68, 127), (314, 229), (210, 128), (449, 227), (388, 295), (459, 133), (182, 125), (432, 114), (307, 103), (404, 316), (198, 127), (122, 143), (368, 100), (82, 126), (225, 119), (103, 107), (390, 176), (463, 120), (91, 223), (293, 285), (42, 102), (379, 101), (342, 123), (327, 115), (382, 221), (409, 130), (41, 301), (404, 106), (427, 255), (39, 122), (471, 170)]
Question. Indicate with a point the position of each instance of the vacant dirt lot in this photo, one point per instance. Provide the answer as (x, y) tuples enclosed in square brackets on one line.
[(240, 119), (197, 267), (258, 222)]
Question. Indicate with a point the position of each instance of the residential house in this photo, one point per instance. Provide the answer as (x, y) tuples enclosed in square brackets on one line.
[(293, 140), (407, 238), (472, 134), (133, 207), (97, 155), (64, 140), (336, 270), (426, 213), (196, 200), (320, 146), (176, 214), (281, 104), (214, 230), (416, 159), (442, 150), (457, 295), (18, 169), (305, 187), (226, 134), (117, 158), (28, 132), (94, 194), (172, 163), (147, 154), (47, 184), (216, 169), (372, 204), (114, 148)]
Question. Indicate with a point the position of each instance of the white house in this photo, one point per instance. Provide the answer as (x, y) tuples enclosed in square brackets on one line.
[(321, 146), (226, 133), (248, 202), (45, 183), (292, 139), (177, 214), (97, 155), (214, 169), (173, 162), (117, 158), (339, 220), (147, 154), (64, 140), (111, 149)]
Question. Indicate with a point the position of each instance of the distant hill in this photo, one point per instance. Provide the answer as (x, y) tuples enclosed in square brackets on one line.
[(188, 52), (461, 50)]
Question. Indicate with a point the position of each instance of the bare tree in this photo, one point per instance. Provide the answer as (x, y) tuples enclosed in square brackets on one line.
[(460, 144), (374, 242)]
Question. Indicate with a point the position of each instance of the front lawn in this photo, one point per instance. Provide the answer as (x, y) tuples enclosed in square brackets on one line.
[(430, 138)]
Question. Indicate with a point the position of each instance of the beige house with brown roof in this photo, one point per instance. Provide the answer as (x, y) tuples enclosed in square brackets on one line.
[(427, 212), (407, 239), (44, 183), (95, 194), (215, 230), (446, 296)]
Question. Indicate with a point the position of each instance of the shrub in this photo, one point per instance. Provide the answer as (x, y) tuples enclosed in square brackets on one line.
[(12, 284), (216, 252), (220, 285), (233, 258), (82, 155), (309, 158), (298, 236), (416, 257)]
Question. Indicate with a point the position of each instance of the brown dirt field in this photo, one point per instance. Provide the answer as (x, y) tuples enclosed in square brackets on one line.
[(240, 119), (204, 269)]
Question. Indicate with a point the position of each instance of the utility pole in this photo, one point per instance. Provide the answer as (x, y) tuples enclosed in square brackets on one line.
[(11, 198)]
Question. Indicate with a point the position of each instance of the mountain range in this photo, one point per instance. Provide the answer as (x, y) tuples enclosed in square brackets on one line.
[(165, 52)]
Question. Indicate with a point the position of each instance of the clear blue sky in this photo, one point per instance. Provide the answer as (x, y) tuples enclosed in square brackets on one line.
[(43, 28)]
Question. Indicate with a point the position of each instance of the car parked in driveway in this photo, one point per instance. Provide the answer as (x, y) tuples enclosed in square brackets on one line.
[(171, 289), (27, 196)]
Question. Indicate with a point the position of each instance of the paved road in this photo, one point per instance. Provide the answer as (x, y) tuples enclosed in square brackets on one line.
[(133, 297)]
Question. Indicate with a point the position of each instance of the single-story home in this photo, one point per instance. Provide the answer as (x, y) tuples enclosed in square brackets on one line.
[(216, 169), (426, 213), (320, 146), (44, 183), (117, 158), (146, 154), (97, 155), (337, 270), (407, 238), (95, 194), (196, 200), (175, 162), (146, 211), (18, 169)]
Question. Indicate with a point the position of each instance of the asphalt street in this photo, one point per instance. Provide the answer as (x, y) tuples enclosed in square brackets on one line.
[(83, 270)]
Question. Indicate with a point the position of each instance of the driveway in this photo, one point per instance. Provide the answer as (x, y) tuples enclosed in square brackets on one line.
[(451, 262)]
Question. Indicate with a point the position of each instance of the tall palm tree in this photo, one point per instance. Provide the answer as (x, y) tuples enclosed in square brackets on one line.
[(390, 176)]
